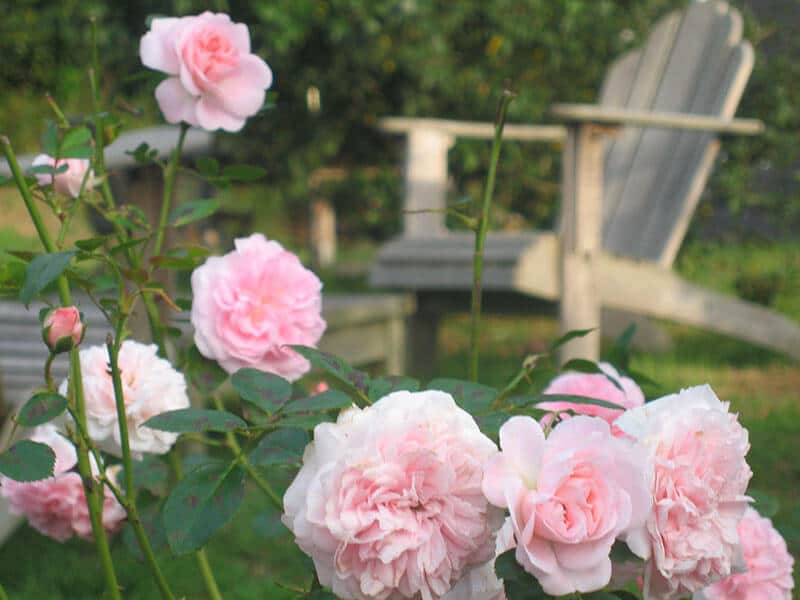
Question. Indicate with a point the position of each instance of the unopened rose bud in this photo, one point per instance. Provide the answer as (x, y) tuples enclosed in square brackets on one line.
[(62, 329), (70, 181)]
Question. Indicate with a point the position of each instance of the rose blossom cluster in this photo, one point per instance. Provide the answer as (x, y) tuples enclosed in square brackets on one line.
[(386, 502), (56, 506)]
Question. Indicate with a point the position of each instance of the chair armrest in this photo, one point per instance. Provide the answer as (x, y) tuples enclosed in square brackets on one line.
[(604, 115), (473, 129)]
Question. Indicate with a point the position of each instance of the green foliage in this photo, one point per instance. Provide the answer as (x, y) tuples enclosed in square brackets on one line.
[(28, 461), (202, 502), (42, 271), (41, 408), (187, 420), (352, 378), (284, 446), (266, 391)]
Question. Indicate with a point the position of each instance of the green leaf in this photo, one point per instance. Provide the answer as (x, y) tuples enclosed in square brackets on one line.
[(578, 400), (490, 424), (80, 136), (206, 375), (620, 353), (50, 138), (201, 503), (382, 386), (327, 400), (265, 391), (41, 408), (151, 473), (337, 367), (185, 420), (766, 505), (90, 244), (268, 523), (47, 170), (42, 271), (570, 335), (28, 461), (472, 397), (519, 585), (188, 212), (243, 172), (152, 521), (207, 166), (279, 447), (306, 422)]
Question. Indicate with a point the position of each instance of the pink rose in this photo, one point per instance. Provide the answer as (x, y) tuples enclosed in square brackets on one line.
[(150, 386), (769, 565), (56, 507), (388, 502), (569, 496), (63, 329), (699, 450), (70, 181), (250, 304), (215, 83), (597, 386)]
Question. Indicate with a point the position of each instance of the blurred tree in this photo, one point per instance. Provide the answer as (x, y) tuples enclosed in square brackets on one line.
[(342, 64)]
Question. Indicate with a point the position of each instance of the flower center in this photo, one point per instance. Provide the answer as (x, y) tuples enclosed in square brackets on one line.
[(212, 55)]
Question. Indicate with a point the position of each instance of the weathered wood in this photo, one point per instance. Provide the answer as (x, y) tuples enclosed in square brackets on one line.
[(474, 129), (593, 113), (322, 232), (426, 182), (650, 290), (581, 224)]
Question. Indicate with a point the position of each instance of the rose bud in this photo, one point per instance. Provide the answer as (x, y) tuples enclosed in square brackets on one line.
[(63, 329)]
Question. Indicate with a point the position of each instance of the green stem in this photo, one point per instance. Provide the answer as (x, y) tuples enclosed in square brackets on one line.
[(3, 595), (48, 375), (94, 492), (169, 187), (480, 236), (127, 462), (262, 483), (208, 575)]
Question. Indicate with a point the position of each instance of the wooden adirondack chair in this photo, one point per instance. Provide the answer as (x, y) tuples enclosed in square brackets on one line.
[(634, 167)]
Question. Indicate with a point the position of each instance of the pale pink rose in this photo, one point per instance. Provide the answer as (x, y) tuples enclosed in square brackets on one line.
[(388, 502), (150, 386), (251, 304), (769, 565), (569, 496), (56, 506), (70, 181), (61, 323), (215, 83), (699, 450), (481, 583), (597, 386)]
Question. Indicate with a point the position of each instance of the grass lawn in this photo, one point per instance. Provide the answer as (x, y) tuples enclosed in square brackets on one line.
[(762, 387)]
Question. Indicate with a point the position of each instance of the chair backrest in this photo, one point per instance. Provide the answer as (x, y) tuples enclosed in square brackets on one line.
[(694, 61)]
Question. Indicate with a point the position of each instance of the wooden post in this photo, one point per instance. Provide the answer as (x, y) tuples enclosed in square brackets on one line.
[(581, 238), (323, 233), (426, 182)]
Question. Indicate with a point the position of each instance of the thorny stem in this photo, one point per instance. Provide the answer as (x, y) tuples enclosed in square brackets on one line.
[(262, 483), (169, 187), (480, 235), (112, 344), (94, 492)]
